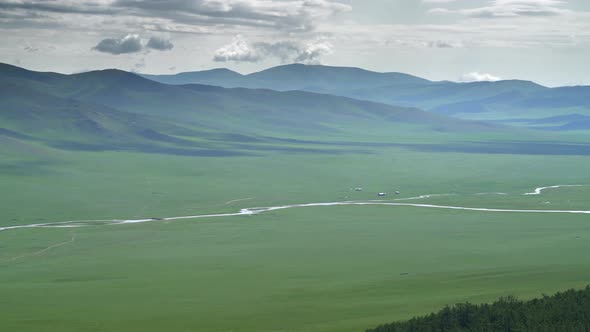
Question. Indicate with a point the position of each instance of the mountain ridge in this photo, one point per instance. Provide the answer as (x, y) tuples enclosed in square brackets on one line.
[(114, 109), (502, 99)]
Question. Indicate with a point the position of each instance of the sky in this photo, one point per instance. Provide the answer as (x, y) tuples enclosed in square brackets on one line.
[(546, 41)]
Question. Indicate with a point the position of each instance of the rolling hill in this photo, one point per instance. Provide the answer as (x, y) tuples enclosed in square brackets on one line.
[(212, 106), (314, 78), (478, 100), (113, 109)]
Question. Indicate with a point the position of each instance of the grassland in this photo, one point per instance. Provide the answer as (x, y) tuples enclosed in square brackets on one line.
[(306, 269), (110, 145)]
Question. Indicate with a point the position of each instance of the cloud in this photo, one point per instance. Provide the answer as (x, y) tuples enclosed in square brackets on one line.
[(239, 50), (510, 8), (185, 15), (479, 77), (131, 43), (291, 15), (444, 44), (313, 51), (127, 44), (418, 43), (31, 49), (159, 44), (138, 66), (285, 51), (437, 1), (59, 6)]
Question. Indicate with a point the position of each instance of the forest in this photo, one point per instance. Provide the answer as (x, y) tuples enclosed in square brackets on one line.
[(564, 312)]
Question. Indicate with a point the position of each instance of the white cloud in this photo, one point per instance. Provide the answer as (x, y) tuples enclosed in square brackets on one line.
[(313, 52), (239, 50), (479, 77)]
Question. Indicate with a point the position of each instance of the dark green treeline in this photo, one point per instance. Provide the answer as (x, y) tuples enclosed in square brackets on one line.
[(567, 311)]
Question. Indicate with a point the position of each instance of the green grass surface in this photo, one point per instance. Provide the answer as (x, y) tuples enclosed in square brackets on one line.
[(341, 268), (305, 269), (102, 185), (315, 269)]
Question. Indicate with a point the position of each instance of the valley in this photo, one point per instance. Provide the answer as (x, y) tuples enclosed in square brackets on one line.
[(132, 205)]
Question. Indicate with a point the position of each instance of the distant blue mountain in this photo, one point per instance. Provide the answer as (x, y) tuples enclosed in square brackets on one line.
[(314, 78), (117, 110), (560, 122), (513, 98), (209, 77)]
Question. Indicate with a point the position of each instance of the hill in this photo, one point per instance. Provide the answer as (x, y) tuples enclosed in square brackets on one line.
[(313, 78), (114, 109), (207, 77), (34, 117), (478, 100), (215, 108)]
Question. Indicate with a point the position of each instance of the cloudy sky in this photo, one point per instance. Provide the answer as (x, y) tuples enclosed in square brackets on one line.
[(547, 41)]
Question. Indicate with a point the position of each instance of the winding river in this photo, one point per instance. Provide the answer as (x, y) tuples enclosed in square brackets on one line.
[(259, 210)]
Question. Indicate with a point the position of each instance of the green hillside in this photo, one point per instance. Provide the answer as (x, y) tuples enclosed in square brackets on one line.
[(119, 106), (36, 117)]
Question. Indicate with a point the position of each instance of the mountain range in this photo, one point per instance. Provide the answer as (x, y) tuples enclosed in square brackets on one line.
[(118, 110), (293, 108), (501, 100)]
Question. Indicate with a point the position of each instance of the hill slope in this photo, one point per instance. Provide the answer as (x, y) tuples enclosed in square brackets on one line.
[(30, 116), (313, 78), (498, 100), (238, 110)]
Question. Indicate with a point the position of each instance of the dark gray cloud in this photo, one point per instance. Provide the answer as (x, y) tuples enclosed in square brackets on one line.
[(18, 19), (281, 14), (58, 6), (160, 44), (132, 44), (286, 51), (127, 44)]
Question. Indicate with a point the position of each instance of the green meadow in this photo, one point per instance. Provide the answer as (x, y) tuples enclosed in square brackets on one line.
[(344, 268), (99, 147)]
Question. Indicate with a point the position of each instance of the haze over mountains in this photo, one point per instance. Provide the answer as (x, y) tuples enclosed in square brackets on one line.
[(499, 100)]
